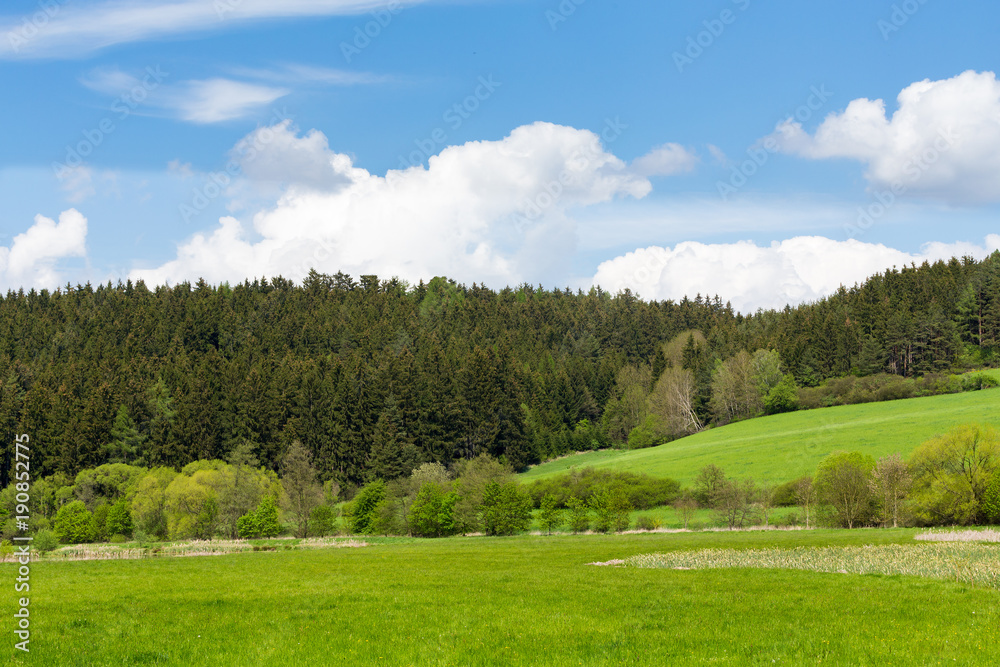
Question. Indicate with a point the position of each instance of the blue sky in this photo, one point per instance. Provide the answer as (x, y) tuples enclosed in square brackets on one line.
[(436, 143)]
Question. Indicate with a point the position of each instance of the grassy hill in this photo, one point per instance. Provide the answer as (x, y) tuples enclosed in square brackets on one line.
[(782, 447)]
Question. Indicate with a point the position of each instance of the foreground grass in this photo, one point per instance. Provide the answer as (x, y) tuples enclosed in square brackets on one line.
[(782, 447), (513, 601)]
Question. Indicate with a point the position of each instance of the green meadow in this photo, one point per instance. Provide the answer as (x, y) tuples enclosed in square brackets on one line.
[(782, 447), (525, 600)]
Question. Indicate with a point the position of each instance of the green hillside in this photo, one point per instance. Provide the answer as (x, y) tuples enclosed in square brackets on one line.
[(782, 447)]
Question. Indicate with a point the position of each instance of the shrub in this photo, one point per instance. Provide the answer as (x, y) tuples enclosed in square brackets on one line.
[(506, 509), (646, 522), (643, 491), (611, 508), (991, 501), (262, 522), (978, 381), (118, 539), (363, 511), (433, 511), (321, 520), (579, 515), (549, 518), (74, 523), (786, 495), (783, 397), (119, 520), (45, 541)]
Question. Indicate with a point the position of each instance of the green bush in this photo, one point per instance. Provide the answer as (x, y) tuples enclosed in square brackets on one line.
[(45, 541), (364, 507), (118, 538), (119, 519), (74, 523), (506, 509), (579, 515), (991, 501), (433, 512), (646, 522), (783, 397), (643, 491), (262, 522), (978, 381), (611, 509), (321, 521)]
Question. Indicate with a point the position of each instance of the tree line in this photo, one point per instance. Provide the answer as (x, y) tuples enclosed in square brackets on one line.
[(376, 377)]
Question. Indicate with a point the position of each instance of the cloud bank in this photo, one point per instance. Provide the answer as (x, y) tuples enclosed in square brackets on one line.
[(943, 141), (32, 260), (794, 271)]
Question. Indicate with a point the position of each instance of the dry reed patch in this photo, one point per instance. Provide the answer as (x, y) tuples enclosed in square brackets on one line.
[(959, 536), (967, 562)]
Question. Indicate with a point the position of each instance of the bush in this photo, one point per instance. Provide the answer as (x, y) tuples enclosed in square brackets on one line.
[(783, 397), (262, 522), (74, 523), (118, 539), (364, 507), (786, 495), (433, 511), (991, 501), (611, 508), (978, 381), (646, 522), (119, 519), (506, 509), (579, 515), (45, 541), (321, 521), (643, 491)]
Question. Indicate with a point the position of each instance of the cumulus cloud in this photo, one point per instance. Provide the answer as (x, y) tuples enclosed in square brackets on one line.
[(32, 260), (483, 211), (797, 270), (665, 160), (942, 142)]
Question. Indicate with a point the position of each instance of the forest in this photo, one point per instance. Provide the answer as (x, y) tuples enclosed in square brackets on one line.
[(376, 377)]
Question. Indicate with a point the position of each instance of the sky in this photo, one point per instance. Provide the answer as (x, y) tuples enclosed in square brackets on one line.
[(767, 152)]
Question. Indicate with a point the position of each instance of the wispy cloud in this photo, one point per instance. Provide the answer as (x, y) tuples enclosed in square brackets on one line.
[(218, 100), (82, 28)]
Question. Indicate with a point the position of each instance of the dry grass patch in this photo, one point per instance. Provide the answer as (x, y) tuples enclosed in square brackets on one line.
[(967, 562)]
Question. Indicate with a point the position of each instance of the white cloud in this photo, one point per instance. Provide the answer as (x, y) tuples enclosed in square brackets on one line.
[(33, 257), (218, 100), (797, 270), (483, 211), (665, 160), (943, 141), (77, 29)]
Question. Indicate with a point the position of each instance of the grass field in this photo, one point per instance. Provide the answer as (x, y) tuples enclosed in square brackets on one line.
[(782, 447), (501, 601)]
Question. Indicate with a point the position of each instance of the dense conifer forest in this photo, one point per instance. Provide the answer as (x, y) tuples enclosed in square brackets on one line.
[(376, 376)]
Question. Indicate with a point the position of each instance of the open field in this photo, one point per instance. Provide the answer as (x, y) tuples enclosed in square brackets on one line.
[(487, 601), (782, 447)]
